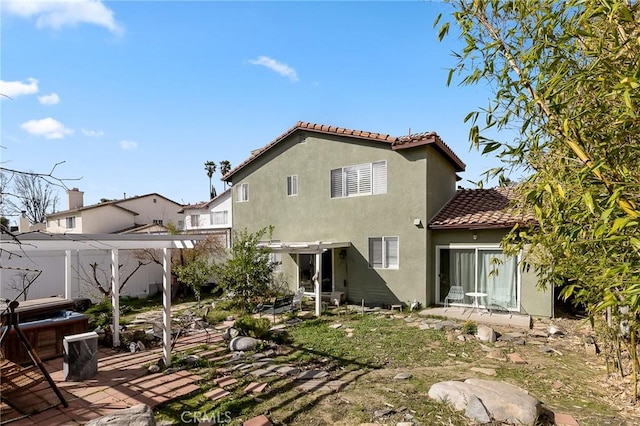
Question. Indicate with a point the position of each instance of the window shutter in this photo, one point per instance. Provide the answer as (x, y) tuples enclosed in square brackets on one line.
[(336, 183), (391, 252), (351, 175), (364, 180), (380, 177), (375, 252)]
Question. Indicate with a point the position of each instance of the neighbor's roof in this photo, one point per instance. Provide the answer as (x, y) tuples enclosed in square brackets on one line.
[(396, 143), (479, 209), (204, 204), (112, 203)]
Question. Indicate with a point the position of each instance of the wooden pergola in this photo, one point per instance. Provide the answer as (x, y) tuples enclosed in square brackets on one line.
[(22, 244)]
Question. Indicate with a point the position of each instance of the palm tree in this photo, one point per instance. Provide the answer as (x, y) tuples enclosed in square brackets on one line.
[(210, 167), (225, 167)]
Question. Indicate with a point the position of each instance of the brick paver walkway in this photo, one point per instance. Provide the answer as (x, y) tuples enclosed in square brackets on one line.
[(122, 381)]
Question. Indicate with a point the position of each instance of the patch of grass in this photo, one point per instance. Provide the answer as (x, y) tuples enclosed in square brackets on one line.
[(377, 342)]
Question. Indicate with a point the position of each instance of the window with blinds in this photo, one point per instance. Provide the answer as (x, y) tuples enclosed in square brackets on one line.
[(383, 252), (361, 179)]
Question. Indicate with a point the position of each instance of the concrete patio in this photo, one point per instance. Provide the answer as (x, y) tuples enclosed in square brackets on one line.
[(480, 316)]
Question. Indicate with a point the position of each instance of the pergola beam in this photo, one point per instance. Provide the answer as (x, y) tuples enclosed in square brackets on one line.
[(40, 241)]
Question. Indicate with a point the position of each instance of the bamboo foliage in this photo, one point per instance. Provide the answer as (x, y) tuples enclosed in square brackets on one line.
[(566, 80)]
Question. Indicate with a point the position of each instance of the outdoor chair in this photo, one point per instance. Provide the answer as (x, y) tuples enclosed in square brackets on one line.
[(297, 298), (456, 293)]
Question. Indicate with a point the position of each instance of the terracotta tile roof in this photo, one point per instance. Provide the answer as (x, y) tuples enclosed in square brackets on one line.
[(479, 209), (394, 142)]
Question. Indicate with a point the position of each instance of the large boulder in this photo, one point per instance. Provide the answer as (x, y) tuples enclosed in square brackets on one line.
[(504, 402), (138, 415)]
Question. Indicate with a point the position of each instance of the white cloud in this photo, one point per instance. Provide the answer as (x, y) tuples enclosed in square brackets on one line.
[(127, 145), (51, 99), (282, 69), (92, 133), (48, 128), (57, 14), (13, 89)]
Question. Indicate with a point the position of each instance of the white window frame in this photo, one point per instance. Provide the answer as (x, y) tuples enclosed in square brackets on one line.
[(359, 180), (385, 260), (292, 186), (194, 220), (71, 222), (242, 193), (477, 247)]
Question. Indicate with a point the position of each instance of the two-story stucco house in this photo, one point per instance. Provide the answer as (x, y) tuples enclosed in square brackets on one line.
[(351, 210), (211, 217), (151, 211)]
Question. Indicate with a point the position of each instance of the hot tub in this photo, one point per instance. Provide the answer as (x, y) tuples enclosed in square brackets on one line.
[(45, 330)]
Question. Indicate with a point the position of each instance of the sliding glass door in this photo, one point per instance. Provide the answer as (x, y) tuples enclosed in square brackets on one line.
[(478, 269)]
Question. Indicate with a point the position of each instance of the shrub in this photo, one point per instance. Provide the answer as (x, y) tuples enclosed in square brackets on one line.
[(254, 327), (469, 327)]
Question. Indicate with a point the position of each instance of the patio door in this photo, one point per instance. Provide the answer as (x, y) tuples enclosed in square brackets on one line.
[(478, 269), (307, 269)]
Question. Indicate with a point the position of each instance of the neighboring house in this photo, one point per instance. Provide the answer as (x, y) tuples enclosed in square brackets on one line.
[(114, 216), (359, 204), (211, 217)]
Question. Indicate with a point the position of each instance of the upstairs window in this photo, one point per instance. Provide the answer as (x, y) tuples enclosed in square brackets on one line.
[(242, 193), (383, 252), (158, 221), (292, 185), (195, 220), (220, 218), (71, 222), (361, 179)]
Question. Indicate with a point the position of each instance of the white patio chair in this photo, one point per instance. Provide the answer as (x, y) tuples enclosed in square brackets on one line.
[(456, 293), (297, 298)]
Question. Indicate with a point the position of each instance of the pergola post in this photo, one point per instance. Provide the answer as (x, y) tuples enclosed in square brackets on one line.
[(318, 280), (166, 306), (67, 274), (115, 296)]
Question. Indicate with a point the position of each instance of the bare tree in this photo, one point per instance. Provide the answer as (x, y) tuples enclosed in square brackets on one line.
[(22, 280), (33, 196)]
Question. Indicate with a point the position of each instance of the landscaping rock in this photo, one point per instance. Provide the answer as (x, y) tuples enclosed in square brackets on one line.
[(383, 412), (403, 376), (154, 368), (497, 354), (485, 371), (230, 333), (477, 411), (486, 334), (504, 402), (243, 343), (138, 415)]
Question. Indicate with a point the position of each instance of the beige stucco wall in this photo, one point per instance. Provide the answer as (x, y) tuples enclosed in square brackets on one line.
[(148, 210), (106, 219), (313, 215), (532, 300)]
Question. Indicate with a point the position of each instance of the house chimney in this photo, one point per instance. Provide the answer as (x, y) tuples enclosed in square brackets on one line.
[(76, 198), (23, 223)]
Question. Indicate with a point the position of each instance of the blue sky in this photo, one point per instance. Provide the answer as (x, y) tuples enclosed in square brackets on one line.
[(135, 96)]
